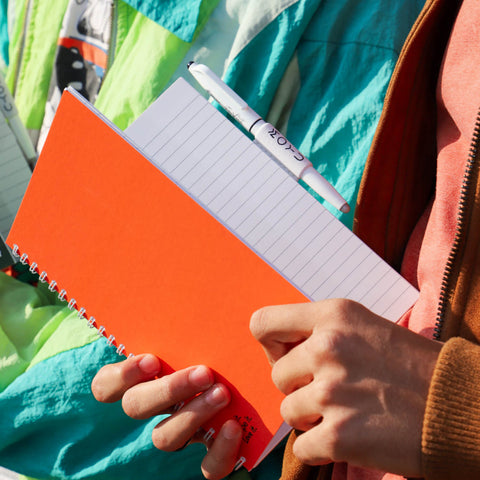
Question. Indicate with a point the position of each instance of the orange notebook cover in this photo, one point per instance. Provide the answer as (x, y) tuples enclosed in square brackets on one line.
[(156, 270)]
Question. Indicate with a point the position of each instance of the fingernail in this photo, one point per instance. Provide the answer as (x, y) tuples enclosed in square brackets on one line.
[(149, 364), (216, 396), (231, 430), (201, 377)]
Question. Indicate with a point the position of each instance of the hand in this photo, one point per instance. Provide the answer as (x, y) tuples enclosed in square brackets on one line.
[(355, 383), (143, 395)]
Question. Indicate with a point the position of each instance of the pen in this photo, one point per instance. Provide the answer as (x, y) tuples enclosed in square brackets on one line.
[(267, 135), (9, 110)]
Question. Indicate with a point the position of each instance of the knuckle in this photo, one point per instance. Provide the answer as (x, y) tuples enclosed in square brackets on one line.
[(296, 418), (163, 442), (166, 391), (119, 374), (346, 312), (285, 411), (169, 390), (327, 344), (277, 375), (290, 415), (343, 306), (333, 444), (324, 393), (334, 447), (131, 405), (107, 384), (285, 383)]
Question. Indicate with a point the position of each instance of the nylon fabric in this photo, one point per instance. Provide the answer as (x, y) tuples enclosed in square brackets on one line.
[(33, 327), (179, 17), (317, 68)]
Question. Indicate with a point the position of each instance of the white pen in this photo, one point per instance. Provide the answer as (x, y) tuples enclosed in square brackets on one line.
[(267, 135), (9, 110)]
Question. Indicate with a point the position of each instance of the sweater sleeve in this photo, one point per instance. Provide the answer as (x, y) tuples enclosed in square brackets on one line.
[(451, 429)]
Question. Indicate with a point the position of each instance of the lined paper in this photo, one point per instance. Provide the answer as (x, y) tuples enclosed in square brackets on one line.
[(258, 201), (14, 176)]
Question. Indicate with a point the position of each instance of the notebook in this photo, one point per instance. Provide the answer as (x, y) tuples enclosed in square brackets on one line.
[(14, 177), (169, 236)]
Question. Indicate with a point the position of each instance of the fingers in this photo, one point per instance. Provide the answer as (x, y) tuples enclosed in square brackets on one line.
[(175, 431), (143, 395), (281, 328), (278, 328), (292, 371), (316, 447), (112, 381), (223, 453), (303, 409), (159, 396), (319, 356)]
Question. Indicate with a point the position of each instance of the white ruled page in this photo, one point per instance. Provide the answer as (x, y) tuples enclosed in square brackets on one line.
[(14, 176), (224, 171)]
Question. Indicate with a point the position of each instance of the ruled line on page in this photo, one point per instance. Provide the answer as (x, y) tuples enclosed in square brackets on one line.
[(265, 198), (222, 169)]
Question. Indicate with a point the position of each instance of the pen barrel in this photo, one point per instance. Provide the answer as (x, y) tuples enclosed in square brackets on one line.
[(272, 140), (7, 104), (296, 163), (10, 112)]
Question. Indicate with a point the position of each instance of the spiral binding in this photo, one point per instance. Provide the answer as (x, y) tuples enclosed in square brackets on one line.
[(72, 303), (209, 435), (91, 322), (239, 463)]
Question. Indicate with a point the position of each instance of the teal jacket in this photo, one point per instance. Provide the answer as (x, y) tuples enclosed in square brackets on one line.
[(317, 69)]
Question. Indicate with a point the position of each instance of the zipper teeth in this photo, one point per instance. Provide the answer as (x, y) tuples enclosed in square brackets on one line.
[(461, 224)]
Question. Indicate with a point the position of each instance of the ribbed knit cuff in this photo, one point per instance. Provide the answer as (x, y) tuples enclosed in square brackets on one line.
[(451, 428)]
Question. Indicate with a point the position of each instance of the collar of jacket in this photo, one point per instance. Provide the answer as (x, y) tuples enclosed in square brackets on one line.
[(399, 176)]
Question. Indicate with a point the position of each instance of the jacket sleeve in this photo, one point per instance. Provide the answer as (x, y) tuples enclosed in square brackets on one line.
[(451, 429)]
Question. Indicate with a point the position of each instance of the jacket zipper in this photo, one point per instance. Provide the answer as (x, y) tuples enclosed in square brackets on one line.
[(446, 286)]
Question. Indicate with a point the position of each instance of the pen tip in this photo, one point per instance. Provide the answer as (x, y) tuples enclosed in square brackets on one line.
[(345, 208), (189, 64)]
